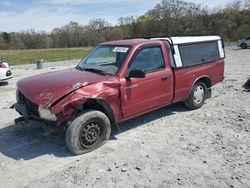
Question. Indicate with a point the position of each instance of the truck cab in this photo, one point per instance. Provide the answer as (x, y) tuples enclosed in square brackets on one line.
[(120, 80)]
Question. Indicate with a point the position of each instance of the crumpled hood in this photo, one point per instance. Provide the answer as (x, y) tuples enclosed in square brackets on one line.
[(45, 89)]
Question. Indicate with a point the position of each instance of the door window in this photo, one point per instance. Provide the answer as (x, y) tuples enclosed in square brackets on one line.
[(148, 60)]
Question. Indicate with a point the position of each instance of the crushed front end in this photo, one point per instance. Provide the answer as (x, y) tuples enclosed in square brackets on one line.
[(31, 111)]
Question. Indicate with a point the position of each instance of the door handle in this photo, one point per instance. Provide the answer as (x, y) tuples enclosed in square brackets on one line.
[(164, 78)]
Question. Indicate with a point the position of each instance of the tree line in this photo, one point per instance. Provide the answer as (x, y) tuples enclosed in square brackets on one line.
[(168, 18)]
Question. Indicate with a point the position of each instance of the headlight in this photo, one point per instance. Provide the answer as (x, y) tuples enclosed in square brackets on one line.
[(46, 114)]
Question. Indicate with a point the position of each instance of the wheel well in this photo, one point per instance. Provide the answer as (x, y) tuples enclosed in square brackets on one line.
[(208, 84), (206, 80), (102, 106)]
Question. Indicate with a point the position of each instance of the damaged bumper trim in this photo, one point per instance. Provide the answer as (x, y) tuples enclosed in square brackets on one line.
[(23, 111)]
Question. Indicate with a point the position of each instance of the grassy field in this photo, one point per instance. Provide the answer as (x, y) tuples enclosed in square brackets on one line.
[(18, 57)]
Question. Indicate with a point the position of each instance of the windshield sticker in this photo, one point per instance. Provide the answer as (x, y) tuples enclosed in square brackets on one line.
[(120, 49)]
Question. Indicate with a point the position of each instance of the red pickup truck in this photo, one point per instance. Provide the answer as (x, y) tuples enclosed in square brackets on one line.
[(120, 80)]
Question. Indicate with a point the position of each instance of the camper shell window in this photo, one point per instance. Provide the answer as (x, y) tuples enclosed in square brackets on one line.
[(198, 53), (194, 50)]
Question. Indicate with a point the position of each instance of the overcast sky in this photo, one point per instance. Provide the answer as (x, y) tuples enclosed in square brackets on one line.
[(17, 15)]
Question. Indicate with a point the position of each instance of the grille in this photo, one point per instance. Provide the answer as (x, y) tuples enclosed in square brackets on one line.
[(31, 107), (8, 73)]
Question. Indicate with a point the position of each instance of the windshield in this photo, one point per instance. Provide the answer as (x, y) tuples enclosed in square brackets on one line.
[(104, 59)]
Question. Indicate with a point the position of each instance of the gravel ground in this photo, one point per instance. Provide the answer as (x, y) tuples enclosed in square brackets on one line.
[(170, 147)]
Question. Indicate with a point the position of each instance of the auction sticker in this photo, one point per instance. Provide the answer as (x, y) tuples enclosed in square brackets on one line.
[(121, 49)]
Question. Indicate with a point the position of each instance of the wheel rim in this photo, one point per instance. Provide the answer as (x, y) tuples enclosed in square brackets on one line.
[(243, 46), (90, 134), (199, 94)]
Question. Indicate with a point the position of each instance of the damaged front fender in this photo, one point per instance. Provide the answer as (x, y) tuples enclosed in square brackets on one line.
[(47, 98), (71, 104)]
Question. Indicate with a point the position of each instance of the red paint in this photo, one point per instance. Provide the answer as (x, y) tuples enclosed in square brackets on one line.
[(185, 77), (65, 92), (45, 89)]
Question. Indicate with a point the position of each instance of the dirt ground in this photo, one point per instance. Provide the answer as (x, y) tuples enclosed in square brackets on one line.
[(171, 147)]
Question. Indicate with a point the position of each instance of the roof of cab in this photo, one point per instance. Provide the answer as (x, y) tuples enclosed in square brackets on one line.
[(128, 42)]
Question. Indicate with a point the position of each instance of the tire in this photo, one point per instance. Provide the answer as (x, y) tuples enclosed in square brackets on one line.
[(87, 132), (197, 96), (243, 46)]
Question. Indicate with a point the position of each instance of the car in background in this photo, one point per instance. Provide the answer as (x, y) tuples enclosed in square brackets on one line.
[(5, 72), (244, 43)]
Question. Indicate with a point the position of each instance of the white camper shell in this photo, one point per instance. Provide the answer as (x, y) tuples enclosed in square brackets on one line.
[(194, 50)]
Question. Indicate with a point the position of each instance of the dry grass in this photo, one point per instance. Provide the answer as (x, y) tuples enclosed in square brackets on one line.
[(18, 57)]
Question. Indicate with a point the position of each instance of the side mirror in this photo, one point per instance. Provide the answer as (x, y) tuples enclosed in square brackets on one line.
[(136, 74)]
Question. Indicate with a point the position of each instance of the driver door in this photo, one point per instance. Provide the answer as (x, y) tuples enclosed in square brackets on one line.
[(139, 95)]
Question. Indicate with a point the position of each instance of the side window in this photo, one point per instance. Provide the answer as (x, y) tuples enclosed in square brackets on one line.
[(193, 54), (248, 38), (147, 60)]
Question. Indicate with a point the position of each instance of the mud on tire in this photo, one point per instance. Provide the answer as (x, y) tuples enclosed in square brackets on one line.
[(88, 131)]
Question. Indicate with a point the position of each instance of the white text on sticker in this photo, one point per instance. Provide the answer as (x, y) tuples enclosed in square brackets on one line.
[(120, 49)]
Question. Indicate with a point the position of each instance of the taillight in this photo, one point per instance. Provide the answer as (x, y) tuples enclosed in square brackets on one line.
[(2, 65)]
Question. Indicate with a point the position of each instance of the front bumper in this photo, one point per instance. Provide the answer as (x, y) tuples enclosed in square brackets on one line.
[(49, 127), (24, 112), (21, 109), (8, 75)]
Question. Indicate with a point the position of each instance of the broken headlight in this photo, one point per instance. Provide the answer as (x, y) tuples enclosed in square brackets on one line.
[(46, 114)]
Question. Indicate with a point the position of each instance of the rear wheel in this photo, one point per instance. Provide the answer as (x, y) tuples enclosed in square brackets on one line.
[(197, 96), (90, 130), (243, 46)]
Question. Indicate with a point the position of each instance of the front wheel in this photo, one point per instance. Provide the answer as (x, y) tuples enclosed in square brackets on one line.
[(243, 46), (88, 131), (197, 96)]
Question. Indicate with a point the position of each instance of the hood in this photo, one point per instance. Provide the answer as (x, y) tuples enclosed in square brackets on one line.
[(45, 89)]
